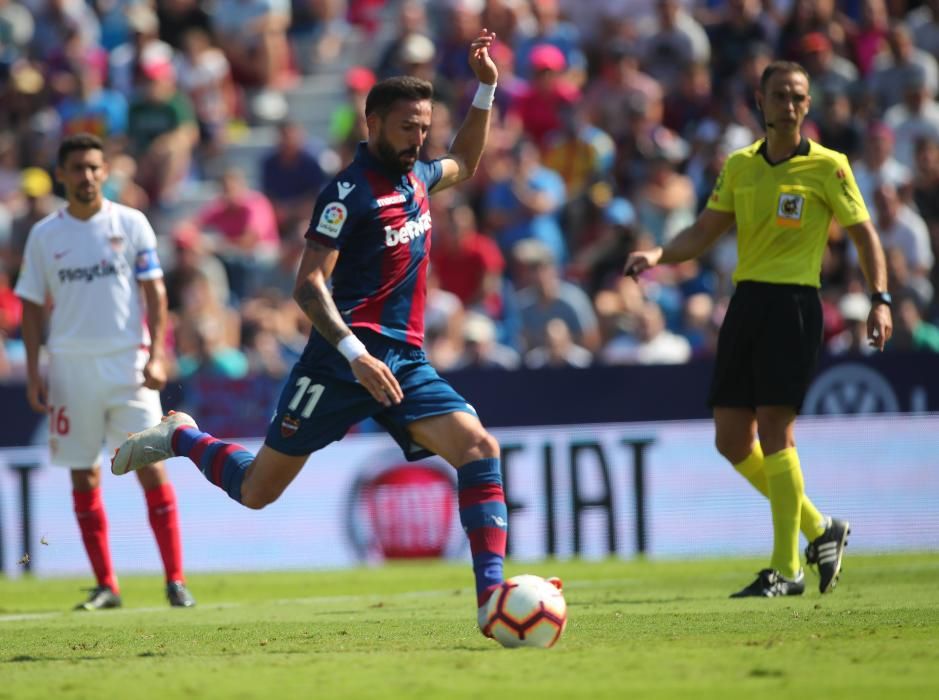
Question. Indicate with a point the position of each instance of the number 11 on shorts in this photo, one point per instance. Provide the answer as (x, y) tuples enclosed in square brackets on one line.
[(303, 387)]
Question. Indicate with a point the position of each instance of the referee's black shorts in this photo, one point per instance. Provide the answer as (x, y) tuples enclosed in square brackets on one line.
[(768, 346)]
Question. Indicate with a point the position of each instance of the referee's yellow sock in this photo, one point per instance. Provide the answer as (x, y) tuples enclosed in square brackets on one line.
[(786, 490), (811, 521)]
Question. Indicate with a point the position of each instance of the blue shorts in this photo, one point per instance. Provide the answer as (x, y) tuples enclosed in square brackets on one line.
[(322, 399)]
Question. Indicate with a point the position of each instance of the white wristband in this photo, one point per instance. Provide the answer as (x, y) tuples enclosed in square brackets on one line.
[(485, 94), (351, 348)]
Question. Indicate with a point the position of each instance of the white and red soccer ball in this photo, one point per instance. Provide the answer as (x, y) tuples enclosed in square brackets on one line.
[(526, 611)]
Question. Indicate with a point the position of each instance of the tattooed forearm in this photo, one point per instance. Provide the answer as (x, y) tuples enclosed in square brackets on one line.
[(317, 303)]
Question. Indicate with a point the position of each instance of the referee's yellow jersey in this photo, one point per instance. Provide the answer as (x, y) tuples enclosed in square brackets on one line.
[(783, 211)]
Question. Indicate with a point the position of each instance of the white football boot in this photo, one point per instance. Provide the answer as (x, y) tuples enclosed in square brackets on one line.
[(150, 445)]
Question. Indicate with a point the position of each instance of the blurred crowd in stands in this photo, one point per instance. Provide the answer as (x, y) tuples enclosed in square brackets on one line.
[(611, 123)]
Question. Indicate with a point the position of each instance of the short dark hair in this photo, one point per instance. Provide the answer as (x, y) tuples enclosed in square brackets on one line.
[(781, 67), (383, 95), (78, 142)]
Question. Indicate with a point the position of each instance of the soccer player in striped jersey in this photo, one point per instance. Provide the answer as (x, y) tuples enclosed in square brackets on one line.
[(781, 192), (370, 236), (96, 262)]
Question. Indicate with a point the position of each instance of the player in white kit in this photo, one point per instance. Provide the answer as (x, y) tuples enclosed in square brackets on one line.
[(94, 263)]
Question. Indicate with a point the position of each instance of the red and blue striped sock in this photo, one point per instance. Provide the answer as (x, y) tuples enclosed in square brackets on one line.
[(222, 463), (485, 520)]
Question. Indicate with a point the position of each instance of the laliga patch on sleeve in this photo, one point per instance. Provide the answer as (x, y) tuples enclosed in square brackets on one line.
[(331, 220), (146, 261)]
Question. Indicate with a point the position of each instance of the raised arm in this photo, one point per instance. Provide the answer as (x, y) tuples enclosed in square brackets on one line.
[(313, 296), (470, 141), (874, 267), (690, 243)]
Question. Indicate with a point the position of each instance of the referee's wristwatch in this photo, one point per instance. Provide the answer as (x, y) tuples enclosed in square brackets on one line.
[(881, 298)]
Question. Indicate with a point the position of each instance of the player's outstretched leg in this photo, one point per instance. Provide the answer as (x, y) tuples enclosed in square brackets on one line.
[(485, 520), (827, 551), (223, 463)]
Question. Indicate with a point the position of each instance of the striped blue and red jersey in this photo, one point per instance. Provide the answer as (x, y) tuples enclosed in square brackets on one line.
[(379, 220)]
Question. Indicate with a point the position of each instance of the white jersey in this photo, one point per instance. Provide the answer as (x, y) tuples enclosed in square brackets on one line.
[(90, 270)]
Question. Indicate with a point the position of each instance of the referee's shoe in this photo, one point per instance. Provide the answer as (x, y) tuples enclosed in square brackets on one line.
[(772, 584), (826, 551)]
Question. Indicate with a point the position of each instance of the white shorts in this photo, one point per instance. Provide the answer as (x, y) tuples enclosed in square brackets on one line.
[(95, 401)]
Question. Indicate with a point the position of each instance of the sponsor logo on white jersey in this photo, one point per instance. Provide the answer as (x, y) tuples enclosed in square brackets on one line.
[(408, 232), (344, 189), (391, 199), (332, 219), (105, 268)]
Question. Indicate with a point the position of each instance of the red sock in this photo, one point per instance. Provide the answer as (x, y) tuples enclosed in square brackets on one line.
[(93, 523), (161, 503)]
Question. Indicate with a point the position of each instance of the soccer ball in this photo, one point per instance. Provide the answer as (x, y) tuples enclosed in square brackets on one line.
[(526, 611)]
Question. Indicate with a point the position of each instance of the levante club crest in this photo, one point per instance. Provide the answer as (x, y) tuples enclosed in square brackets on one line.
[(289, 426)]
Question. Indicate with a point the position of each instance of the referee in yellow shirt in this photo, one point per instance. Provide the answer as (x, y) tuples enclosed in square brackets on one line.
[(781, 192)]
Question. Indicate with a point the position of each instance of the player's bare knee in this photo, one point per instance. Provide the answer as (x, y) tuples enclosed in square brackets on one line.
[(85, 479), (258, 498), (733, 446), (254, 501), (491, 446), (482, 445), (152, 475)]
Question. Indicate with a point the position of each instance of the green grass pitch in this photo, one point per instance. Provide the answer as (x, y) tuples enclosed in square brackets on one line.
[(636, 629)]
